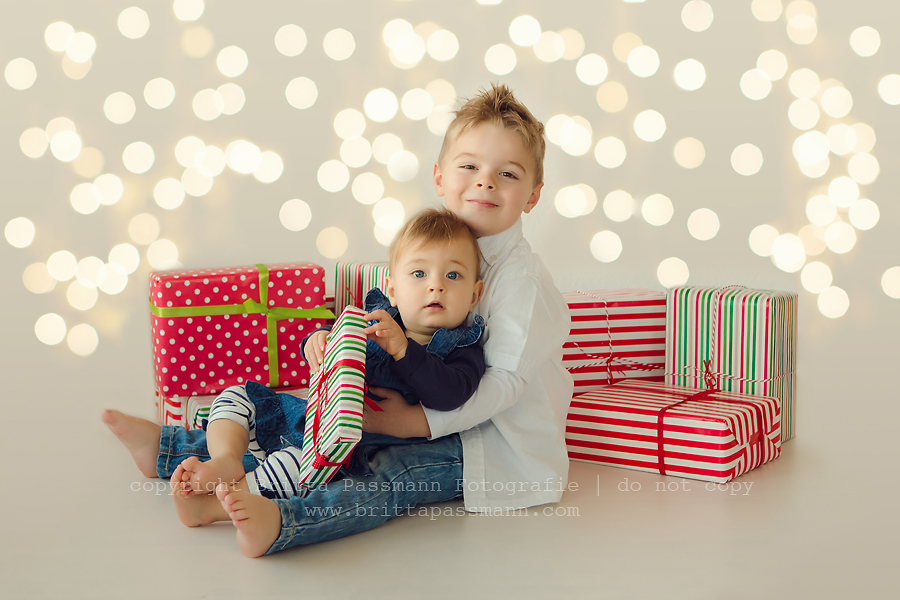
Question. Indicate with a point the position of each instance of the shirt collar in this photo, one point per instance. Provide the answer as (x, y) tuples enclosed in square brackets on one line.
[(493, 247)]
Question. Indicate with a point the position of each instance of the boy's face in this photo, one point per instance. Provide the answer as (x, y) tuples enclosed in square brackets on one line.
[(487, 179), (434, 285)]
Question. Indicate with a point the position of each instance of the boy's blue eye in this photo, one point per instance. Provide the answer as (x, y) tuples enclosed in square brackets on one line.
[(453, 275), (467, 166), (508, 174), (418, 274)]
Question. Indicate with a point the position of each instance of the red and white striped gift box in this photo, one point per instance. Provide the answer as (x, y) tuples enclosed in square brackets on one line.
[(615, 334), (697, 434)]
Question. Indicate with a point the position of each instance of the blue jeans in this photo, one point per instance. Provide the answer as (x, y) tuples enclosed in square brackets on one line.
[(403, 477)]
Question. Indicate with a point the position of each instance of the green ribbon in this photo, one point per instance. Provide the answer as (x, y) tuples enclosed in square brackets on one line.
[(250, 306)]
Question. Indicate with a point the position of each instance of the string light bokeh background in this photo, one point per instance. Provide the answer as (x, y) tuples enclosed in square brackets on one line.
[(711, 143)]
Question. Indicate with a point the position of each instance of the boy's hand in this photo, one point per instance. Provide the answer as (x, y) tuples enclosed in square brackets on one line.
[(314, 350), (386, 333), (396, 417)]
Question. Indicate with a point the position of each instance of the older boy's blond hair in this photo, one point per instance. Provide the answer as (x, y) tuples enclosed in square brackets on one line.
[(434, 225), (498, 106)]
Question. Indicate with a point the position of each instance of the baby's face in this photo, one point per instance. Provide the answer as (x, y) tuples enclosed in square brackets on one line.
[(434, 285)]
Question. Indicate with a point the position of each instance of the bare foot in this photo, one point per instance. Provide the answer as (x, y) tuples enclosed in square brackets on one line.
[(140, 437), (258, 519), (196, 509), (203, 477)]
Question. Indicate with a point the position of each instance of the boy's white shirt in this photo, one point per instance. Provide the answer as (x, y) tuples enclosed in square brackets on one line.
[(513, 427)]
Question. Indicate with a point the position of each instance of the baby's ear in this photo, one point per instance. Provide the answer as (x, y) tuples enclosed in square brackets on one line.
[(477, 293), (390, 290)]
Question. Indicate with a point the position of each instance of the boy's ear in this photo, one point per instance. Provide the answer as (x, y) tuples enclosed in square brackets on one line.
[(390, 290), (477, 293), (438, 180), (535, 196)]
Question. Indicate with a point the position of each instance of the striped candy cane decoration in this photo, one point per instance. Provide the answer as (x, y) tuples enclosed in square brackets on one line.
[(739, 339)]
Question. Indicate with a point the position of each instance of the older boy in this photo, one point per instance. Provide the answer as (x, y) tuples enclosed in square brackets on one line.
[(505, 447)]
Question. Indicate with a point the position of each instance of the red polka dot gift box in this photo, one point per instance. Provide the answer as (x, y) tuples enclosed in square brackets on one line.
[(214, 328)]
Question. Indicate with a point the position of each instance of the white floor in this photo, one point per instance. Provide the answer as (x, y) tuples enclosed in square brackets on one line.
[(820, 522)]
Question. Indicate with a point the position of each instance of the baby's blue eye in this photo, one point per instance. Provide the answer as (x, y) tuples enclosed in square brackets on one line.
[(418, 274), (453, 275)]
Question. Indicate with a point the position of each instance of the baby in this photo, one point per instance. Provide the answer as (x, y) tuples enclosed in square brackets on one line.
[(419, 343)]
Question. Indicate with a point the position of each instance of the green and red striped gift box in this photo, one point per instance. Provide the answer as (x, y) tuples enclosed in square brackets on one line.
[(335, 404), (353, 280), (735, 339)]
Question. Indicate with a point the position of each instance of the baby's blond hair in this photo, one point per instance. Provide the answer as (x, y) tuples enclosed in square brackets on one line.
[(498, 106), (434, 225)]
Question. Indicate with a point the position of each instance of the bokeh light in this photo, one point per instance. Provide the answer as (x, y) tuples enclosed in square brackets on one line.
[(349, 123), (85, 198), (295, 215), (82, 339), (762, 238), (116, 280), (788, 253), (591, 69), (90, 272), (755, 84), (20, 73), (618, 205), (865, 41), (703, 224), (65, 146), (188, 10), (624, 44), (612, 96), (804, 83), (890, 282), (575, 200), (820, 210), (34, 142), (657, 209), (403, 166), (143, 229), (840, 237), (833, 302), (550, 47), (301, 92), (649, 125), (442, 45), (367, 188), (290, 40), (643, 61), (388, 213), (815, 277), (813, 238), (125, 256), (232, 61), (690, 75), (333, 176), (61, 265), (772, 64), (606, 246), (37, 279), (163, 254), (863, 168), (50, 329), (865, 137), (331, 242), (811, 148), (57, 35), (803, 114), (746, 159), (500, 59), (524, 30), (208, 104), (356, 152), (689, 153), (766, 10), (196, 183), (169, 193), (159, 93), (19, 232), (837, 102), (385, 146), (80, 47), (233, 97), (574, 42), (339, 44), (138, 157), (802, 29), (863, 214), (197, 42), (119, 108), (133, 23), (189, 151), (697, 15), (672, 272), (381, 105), (843, 191), (243, 157), (416, 104), (889, 89), (610, 152), (270, 168), (81, 297)]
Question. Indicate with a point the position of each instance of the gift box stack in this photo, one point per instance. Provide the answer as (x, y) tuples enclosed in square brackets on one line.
[(728, 400), (213, 328)]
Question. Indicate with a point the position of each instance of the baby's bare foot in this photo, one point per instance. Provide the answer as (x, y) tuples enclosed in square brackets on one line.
[(203, 477), (196, 509), (258, 519), (139, 436)]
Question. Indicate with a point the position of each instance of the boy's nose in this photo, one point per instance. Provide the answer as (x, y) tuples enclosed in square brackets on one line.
[(486, 184)]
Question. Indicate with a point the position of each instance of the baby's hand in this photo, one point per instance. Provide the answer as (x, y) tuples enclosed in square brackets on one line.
[(314, 350), (386, 333)]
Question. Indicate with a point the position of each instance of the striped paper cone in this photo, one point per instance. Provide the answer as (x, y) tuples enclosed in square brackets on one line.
[(739, 339), (684, 432), (335, 405), (353, 280), (615, 334)]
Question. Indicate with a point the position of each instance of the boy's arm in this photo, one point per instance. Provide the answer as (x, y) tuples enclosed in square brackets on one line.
[(525, 329), (440, 385)]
